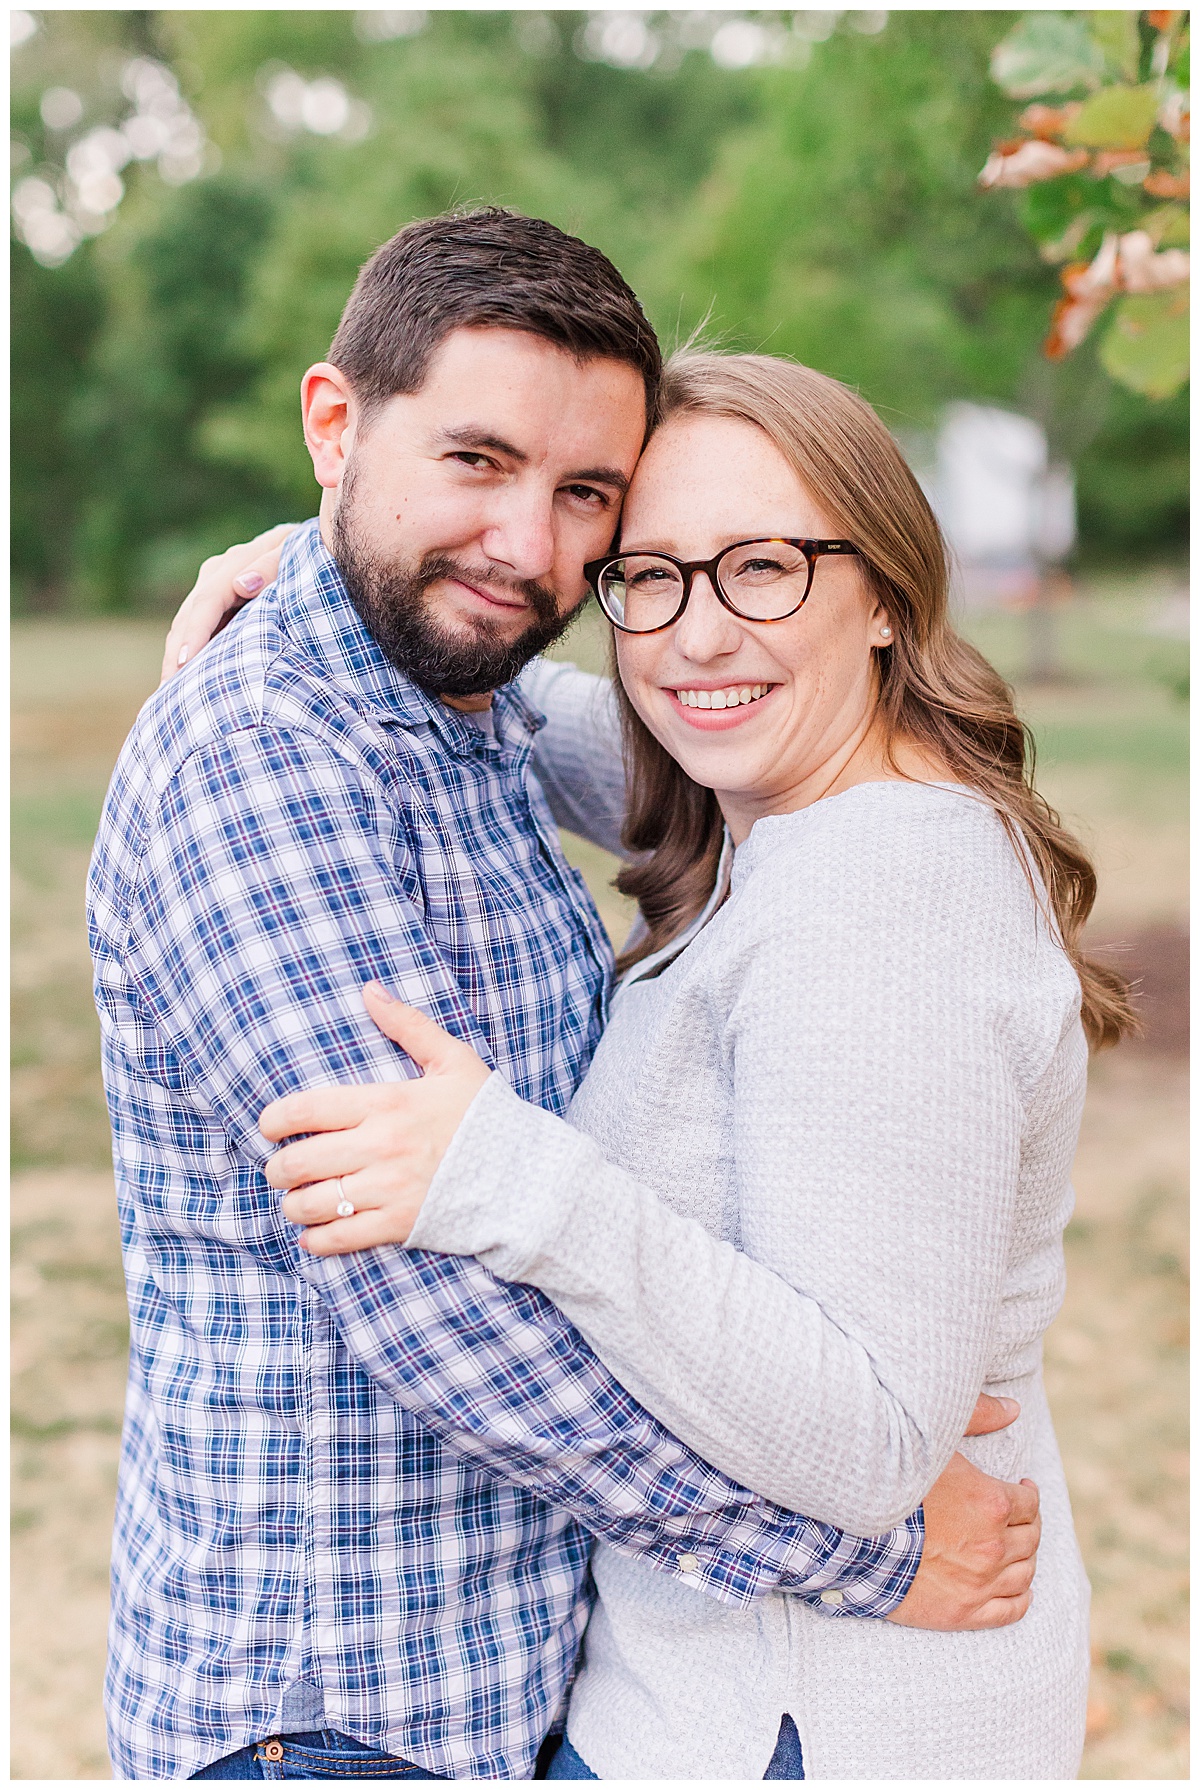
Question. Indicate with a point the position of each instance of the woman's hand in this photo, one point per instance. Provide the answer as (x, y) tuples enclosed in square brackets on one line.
[(225, 583), (377, 1147)]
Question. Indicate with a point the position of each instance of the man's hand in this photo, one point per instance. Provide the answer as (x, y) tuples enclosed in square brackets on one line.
[(981, 1541), (224, 584)]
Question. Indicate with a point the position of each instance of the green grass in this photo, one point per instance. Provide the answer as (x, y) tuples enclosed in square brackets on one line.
[(1122, 703)]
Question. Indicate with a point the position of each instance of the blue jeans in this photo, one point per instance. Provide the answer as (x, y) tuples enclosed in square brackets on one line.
[(322, 1755), (785, 1762)]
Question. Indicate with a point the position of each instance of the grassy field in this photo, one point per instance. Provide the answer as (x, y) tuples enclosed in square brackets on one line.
[(1113, 745)]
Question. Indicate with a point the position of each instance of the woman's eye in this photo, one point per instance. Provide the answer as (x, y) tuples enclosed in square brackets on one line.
[(651, 575)]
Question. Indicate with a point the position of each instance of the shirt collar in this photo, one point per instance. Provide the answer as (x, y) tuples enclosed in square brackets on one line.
[(319, 618)]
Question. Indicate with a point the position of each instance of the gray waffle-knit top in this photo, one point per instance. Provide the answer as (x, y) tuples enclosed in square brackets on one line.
[(808, 1201)]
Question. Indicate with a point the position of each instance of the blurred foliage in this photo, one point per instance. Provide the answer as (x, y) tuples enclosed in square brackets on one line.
[(1097, 168), (821, 204)]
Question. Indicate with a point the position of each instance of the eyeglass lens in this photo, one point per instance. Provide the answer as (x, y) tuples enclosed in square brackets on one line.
[(763, 580)]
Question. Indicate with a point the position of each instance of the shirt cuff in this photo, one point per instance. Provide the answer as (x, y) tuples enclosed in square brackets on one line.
[(872, 1575)]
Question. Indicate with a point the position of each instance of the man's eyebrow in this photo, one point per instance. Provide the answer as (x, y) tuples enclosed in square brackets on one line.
[(482, 440), (601, 475)]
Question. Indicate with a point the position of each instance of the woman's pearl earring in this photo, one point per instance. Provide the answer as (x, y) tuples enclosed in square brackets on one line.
[(886, 633)]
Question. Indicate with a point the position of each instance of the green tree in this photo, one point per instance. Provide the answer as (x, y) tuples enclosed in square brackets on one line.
[(824, 206), (842, 226)]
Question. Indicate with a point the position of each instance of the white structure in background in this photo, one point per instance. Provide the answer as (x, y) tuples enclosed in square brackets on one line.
[(1008, 512)]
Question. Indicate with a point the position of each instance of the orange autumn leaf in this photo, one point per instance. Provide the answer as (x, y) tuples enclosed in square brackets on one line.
[(1070, 322), (1030, 160), (1161, 185), (1142, 268), (1088, 287), (1108, 159), (1048, 122)]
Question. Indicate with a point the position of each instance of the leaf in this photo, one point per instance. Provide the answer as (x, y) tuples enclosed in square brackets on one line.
[(1147, 346), (1162, 184), (1047, 121), (1032, 160), (1048, 52), (1070, 322), (1048, 209), (1115, 118), (1169, 226), (1117, 33), (1074, 240)]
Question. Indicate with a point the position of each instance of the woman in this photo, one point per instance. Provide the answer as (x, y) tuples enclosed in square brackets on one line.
[(811, 1193)]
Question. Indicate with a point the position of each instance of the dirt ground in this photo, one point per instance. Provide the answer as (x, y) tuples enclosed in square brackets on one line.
[(1116, 1357)]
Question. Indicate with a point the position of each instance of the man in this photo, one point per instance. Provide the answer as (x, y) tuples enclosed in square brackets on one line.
[(355, 1494)]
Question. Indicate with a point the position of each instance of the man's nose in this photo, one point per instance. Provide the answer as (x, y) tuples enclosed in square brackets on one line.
[(520, 532), (706, 629)]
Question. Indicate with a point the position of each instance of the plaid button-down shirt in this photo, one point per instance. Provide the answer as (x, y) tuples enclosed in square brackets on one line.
[(365, 1482)]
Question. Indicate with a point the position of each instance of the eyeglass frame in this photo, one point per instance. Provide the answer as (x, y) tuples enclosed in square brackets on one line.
[(595, 569)]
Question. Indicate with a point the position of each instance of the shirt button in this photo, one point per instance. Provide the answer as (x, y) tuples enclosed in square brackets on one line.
[(273, 1751), (688, 1562), (832, 1597)]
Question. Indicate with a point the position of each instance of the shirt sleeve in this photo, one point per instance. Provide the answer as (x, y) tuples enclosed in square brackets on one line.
[(577, 757), (873, 1038), (275, 882)]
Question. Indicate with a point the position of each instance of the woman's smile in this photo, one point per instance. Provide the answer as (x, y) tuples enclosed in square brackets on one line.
[(713, 707)]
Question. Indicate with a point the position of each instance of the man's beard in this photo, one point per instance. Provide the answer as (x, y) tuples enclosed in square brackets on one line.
[(392, 601)]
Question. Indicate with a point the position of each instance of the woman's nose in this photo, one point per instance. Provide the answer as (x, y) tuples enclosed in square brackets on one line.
[(706, 629)]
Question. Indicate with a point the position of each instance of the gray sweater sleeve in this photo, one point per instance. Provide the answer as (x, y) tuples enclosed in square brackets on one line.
[(882, 1024), (577, 755)]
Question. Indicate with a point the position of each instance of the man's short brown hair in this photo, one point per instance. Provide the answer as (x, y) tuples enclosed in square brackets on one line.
[(479, 268)]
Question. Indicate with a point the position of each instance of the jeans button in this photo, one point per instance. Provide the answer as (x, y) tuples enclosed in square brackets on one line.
[(273, 1750)]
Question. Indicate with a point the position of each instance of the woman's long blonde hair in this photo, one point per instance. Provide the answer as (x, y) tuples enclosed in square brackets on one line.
[(935, 689)]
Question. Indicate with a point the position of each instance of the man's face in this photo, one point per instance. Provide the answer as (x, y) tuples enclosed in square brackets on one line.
[(468, 509)]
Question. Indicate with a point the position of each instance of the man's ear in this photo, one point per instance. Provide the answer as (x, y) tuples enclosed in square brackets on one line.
[(330, 413)]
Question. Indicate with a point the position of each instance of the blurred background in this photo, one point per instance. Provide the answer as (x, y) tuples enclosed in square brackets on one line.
[(193, 193)]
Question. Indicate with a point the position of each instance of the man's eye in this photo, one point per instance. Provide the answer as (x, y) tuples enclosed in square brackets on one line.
[(466, 458), (587, 494)]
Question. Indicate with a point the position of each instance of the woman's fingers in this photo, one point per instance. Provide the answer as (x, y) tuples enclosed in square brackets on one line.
[(382, 1214), (428, 1044), (366, 1230), (328, 1109), (317, 1202), (388, 1136), (331, 1153), (225, 582)]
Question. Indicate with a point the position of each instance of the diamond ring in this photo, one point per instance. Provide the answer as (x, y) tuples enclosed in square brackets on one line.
[(345, 1207)]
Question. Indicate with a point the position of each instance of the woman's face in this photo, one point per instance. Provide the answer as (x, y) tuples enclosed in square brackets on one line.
[(703, 483)]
